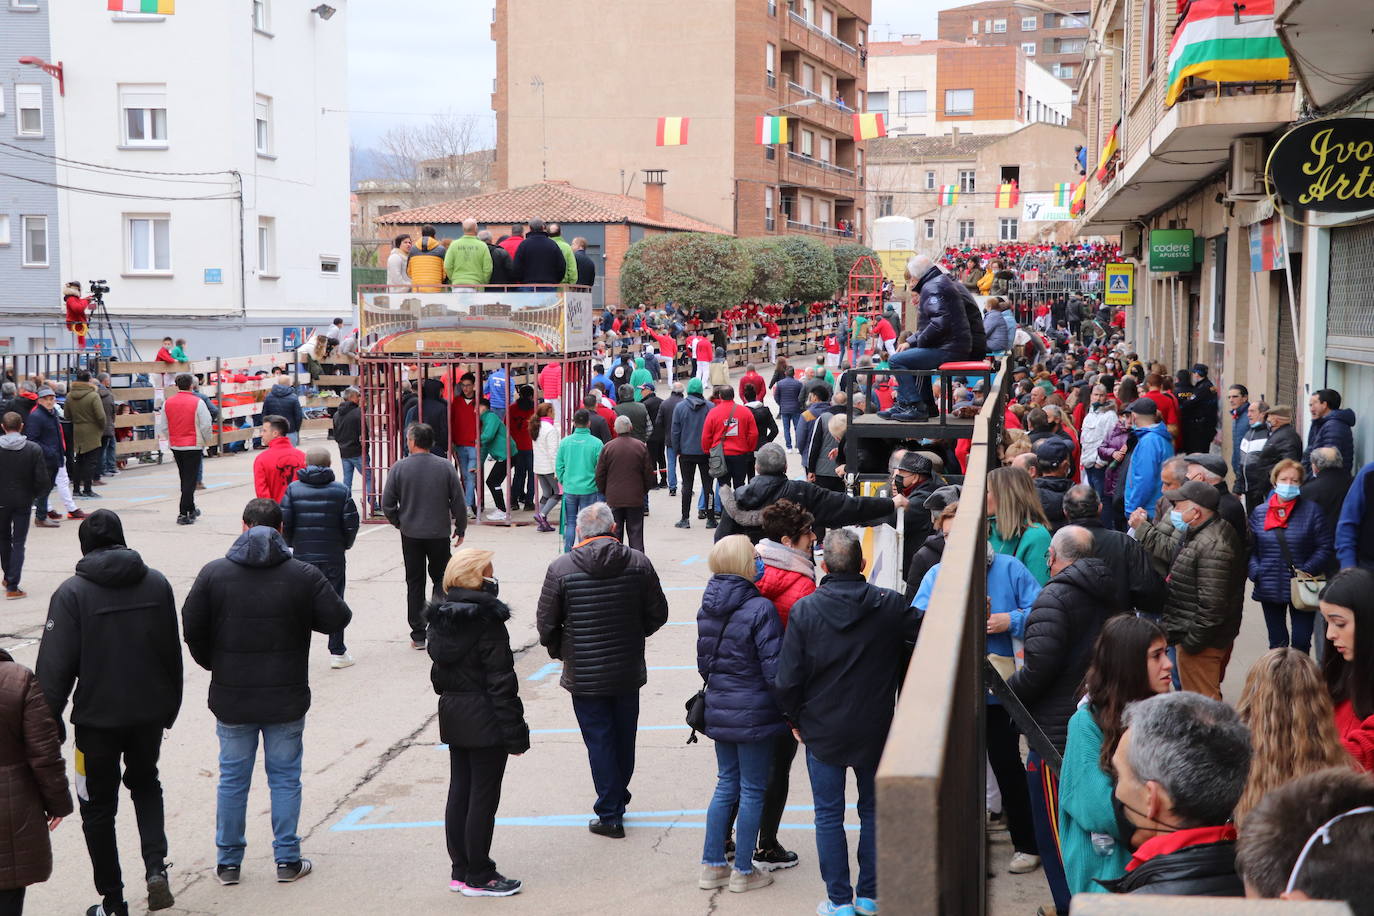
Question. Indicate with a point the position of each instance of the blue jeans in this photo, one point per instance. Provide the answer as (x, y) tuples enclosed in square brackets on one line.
[(107, 459), (467, 465), (912, 390), (791, 423), (295, 438), (832, 848), (671, 453), (14, 533), (741, 779), (353, 466), (608, 727), (574, 503), (281, 756), (1276, 620)]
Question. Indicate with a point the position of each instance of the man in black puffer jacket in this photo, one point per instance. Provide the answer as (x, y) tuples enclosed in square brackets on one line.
[(1060, 631), (248, 620), (432, 409), (320, 521), (1138, 585), (282, 401), (599, 603), (742, 508), (348, 435), (112, 632), (943, 335)]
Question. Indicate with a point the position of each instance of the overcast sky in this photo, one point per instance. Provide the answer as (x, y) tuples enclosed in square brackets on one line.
[(410, 60)]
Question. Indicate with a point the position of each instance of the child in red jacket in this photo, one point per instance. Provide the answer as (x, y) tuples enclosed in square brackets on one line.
[(787, 571)]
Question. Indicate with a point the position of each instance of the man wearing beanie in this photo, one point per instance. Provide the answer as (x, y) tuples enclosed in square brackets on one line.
[(689, 420), (112, 631)]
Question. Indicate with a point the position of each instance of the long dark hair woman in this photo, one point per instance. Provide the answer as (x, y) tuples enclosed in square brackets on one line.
[(481, 718), (1347, 605), (1130, 662)]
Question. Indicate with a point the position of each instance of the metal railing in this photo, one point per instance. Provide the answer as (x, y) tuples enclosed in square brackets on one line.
[(811, 227), (932, 855), (802, 20), (812, 94), (820, 163)]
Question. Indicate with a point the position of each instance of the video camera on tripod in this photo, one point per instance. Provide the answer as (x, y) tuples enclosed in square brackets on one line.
[(98, 290)]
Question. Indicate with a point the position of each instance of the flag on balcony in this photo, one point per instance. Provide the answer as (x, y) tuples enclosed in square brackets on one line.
[(672, 132), (1109, 149), (1080, 197), (1008, 196), (869, 126), (1219, 41), (160, 7), (1063, 193), (949, 195), (771, 130)]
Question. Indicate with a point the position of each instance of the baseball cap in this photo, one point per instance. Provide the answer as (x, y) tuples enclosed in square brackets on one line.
[(1145, 406), (46, 392), (1200, 368), (1052, 451), (1195, 491)]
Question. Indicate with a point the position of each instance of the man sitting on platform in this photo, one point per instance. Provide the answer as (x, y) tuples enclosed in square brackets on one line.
[(942, 336)]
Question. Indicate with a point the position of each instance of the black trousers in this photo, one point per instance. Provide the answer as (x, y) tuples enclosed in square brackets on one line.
[(630, 526), (188, 469), (474, 792), (87, 469), (12, 902), (102, 750), (775, 795), (739, 467), (687, 466), (421, 556), (1004, 753), (495, 478), (658, 453)]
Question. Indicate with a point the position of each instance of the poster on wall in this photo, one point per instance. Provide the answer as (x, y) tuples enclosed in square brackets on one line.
[(1171, 250), (476, 321), (1267, 249), (1042, 208)]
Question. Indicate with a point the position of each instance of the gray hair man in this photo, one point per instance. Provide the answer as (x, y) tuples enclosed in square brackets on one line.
[(1138, 586), (1181, 765), (1211, 470), (599, 603), (944, 335), (1329, 483), (837, 678), (624, 476), (348, 435)]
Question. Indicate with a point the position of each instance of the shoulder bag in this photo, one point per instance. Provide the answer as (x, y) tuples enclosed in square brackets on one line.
[(696, 706), (1303, 588), (715, 464)]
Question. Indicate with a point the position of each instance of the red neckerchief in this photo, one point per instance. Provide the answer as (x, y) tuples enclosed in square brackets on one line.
[(1166, 843), (1277, 512)]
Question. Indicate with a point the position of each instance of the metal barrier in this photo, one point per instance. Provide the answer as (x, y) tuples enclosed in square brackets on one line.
[(931, 783)]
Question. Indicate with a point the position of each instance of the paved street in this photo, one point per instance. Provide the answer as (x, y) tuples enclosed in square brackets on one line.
[(375, 775)]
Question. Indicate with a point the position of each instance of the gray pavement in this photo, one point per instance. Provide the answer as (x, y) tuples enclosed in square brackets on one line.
[(375, 777)]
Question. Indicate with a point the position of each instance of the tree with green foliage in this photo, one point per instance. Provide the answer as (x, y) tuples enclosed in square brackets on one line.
[(813, 269), (772, 269), (696, 270), (847, 255)]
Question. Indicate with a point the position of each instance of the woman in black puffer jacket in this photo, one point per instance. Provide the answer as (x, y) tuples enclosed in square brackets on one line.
[(739, 636), (481, 718)]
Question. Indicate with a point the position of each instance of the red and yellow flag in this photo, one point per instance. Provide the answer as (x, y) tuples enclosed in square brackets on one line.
[(672, 132), (869, 126), (1008, 195), (1080, 198), (1109, 149)]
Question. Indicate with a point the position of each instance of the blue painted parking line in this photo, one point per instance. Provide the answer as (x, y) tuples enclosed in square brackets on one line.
[(355, 820), (694, 558)]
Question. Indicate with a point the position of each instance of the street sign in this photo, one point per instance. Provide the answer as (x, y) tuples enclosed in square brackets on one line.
[(214, 275), (1171, 250), (1120, 285), (290, 338)]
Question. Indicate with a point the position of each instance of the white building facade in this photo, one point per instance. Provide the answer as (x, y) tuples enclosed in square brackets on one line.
[(203, 169)]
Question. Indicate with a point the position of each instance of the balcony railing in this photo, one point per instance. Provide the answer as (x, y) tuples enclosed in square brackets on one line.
[(820, 164), (811, 94), (801, 20), (818, 230)]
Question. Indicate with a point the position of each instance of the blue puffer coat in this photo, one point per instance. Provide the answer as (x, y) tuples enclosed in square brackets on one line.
[(283, 402), (942, 319), (43, 426), (1335, 430), (739, 700), (319, 517), (1309, 543)]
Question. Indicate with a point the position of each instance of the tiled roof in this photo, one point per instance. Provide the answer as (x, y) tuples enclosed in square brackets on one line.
[(553, 201), (947, 146)]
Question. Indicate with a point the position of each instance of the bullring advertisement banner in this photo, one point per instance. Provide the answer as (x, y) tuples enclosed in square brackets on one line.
[(477, 321)]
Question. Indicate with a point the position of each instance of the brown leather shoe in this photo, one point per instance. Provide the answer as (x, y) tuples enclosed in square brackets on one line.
[(44, 523), (12, 593)]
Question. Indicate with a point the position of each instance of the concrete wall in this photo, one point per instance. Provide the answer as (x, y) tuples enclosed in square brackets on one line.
[(27, 290)]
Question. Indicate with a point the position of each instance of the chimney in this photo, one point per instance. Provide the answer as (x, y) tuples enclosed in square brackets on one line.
[(653, 193)]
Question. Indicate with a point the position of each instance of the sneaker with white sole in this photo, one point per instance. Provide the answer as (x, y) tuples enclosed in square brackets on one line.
[(499, 886), (341, 661), (775, 859), (713, 876), (496, 515), (827, 908), (457, 886), (228, 874), (865, 906), (740, 882), (1023, 863), (293, 871)]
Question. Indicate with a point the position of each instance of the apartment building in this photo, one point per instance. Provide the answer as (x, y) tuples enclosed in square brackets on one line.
[(1053, 33), (30, 275), (906, 174), (210, 189), (721, 66), (925, 88)]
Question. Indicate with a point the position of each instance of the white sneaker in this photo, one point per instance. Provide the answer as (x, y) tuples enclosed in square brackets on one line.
[(496, 515), (1023, 863), (341, 661)]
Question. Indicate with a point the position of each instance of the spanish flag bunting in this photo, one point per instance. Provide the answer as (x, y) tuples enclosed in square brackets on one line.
[(1080, 198), (160, 7), (672, 132), (1063, 194), (1008, 195), (771, 130), (1109, 149), (869, 126), (949, 194)]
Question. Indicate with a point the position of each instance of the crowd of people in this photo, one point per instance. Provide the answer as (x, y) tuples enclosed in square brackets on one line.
[(1120, 542)]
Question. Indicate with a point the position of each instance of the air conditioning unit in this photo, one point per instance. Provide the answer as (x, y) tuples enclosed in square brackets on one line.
[(1245, 180), (1130, 241)]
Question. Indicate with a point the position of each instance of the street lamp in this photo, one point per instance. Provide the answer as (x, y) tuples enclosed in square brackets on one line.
[(53, 70), (802, 104), (324, 11)]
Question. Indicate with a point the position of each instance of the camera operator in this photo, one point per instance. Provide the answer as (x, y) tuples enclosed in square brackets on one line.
[(77, 310)]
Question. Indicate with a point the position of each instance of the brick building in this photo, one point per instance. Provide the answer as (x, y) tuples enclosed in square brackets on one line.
[(721, 66), (610, 223), (1054, 40)]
